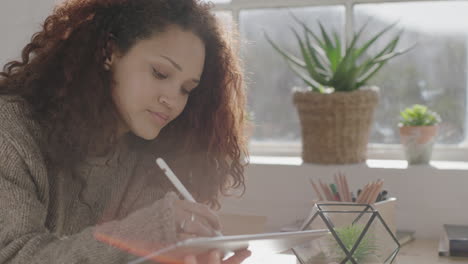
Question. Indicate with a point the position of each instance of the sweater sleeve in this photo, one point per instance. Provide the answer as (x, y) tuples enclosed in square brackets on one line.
[(24, 237)]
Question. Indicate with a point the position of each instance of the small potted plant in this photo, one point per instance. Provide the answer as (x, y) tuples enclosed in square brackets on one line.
[(336, 109), (418, 131)]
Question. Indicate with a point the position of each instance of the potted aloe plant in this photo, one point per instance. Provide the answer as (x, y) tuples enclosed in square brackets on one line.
[(336, 109), (418, 131)]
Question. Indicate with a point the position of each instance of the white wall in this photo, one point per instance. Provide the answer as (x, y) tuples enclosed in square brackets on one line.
[(427, 196), (19, 19)]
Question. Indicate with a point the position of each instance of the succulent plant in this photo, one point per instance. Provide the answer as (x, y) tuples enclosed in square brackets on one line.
[(419, 115), (327, 64)]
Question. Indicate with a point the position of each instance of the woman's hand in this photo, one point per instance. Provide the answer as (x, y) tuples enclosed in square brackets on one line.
[(214, 257), (195, 220)]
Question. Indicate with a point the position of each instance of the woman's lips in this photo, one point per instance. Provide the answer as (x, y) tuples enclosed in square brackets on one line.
[(159, 117)]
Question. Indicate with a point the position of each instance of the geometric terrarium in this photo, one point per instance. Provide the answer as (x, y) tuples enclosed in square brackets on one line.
[(358, 234)]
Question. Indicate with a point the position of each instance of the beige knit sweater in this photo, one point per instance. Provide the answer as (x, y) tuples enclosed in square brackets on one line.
[(42, 219)]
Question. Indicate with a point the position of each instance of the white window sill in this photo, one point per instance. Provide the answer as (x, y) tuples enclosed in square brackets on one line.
[(458, 153), (370, 163)]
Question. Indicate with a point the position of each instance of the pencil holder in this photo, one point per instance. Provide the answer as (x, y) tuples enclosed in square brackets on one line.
[(358, 234)]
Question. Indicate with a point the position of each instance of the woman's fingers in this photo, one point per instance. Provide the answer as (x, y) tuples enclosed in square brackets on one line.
[(238, 257), (197, 227), (185, 236), (189, 222), (212, 257), (201, 210)]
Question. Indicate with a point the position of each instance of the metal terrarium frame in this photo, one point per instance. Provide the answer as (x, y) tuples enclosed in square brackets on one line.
[(367, 209)]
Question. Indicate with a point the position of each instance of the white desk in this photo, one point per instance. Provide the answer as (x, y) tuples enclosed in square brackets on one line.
[(419, 251)]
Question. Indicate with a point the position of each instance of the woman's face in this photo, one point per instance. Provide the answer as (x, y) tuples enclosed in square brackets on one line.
[(154, 78)]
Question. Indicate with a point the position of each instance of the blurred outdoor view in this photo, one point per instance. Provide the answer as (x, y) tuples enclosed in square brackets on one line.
[(433, 73)]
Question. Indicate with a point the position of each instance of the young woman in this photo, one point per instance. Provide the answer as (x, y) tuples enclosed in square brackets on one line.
[(104, 89)]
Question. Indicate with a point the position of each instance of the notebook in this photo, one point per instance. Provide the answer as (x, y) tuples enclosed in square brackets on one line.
[(454, 241)]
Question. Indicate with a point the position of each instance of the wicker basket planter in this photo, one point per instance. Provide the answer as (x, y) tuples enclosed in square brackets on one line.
[(335, 126)]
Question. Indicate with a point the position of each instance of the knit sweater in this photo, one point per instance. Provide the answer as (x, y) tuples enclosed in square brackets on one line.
[(48, 216)]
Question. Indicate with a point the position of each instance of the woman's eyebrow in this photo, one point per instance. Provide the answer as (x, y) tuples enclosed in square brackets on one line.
[(177, 66)]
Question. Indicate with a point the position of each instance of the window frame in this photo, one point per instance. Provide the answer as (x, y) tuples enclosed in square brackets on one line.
[(452, 152)]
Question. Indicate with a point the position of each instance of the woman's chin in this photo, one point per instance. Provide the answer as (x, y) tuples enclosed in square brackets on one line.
[(147, 134)]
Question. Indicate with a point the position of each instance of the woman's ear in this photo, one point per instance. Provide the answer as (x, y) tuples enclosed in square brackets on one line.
[(110, 52)]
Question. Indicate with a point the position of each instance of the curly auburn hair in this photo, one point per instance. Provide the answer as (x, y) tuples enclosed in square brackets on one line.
[(62, 78)]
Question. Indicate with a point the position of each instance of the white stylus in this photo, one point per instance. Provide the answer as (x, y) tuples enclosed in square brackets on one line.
[(177, 184)]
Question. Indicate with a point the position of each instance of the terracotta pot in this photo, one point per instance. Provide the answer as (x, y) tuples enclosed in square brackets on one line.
[(418, 142)]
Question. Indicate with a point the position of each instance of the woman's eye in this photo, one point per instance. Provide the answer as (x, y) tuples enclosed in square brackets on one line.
[(158, 74), (188, 91)]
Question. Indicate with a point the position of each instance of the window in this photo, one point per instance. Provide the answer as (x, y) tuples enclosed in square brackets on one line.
[(434, 72), (269, 79)]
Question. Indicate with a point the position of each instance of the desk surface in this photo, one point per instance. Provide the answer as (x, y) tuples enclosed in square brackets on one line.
[(422, 251), (418, 251)]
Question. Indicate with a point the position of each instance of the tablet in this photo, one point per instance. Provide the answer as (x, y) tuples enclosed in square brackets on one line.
[(267, 243)]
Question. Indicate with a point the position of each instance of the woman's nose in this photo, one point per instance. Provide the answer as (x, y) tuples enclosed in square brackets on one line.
[(164, 100), (169, 95)]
